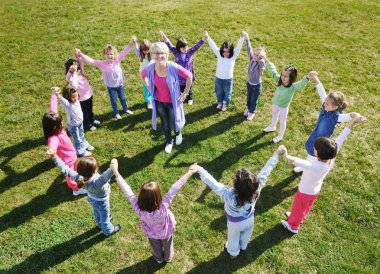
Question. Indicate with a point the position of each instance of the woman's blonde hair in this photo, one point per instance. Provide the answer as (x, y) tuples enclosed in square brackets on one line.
[(160, 47)]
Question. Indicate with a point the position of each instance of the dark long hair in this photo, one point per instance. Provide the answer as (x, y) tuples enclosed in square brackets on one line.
[(181, 42), (246, 186), (227, 45), (51, 124), (292, 75), (144, 45)]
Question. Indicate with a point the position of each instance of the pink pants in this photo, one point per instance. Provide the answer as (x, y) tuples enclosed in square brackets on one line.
[(283, 113), (301, 206), (70, 182)]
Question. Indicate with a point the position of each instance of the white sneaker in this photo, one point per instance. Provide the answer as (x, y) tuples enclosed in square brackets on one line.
[(286, 225), (168, 148), (178, 139), (92, 128), (117, 116), (246, 113), (79, 191), (190, 102), (128, 111), (87, 153), (96, 122), (287, 214), (90, 148), (277, 139), (219, 106), (297, 169), (250, 116), (269, 129), (224, 107), (149, 105)]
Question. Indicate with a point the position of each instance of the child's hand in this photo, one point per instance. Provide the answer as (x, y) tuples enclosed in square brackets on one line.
[(134, 39), (282, 151), (354, 115), (244, 34), (163, 37), (194, 168), (73, 68), (205, 35), (78, 52), (56, 91), (51, 153), (360, 119), (114, 166)]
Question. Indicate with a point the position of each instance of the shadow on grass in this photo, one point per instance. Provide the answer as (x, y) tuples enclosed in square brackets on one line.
[(57, 193), (57, 254), (223, 262), (13, 178), (149, 265)]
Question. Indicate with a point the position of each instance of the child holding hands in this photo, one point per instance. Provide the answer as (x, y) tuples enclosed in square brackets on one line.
[(157, 221), (314, 172)]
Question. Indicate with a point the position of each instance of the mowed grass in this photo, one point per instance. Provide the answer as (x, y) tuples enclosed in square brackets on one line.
[(44, 228)]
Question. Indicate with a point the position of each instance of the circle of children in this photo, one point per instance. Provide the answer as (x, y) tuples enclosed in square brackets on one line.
[(166, 99)]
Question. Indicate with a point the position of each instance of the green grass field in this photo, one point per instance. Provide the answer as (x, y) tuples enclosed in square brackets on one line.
[(44, 228)]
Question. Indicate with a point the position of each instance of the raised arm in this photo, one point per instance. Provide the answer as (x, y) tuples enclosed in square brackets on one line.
[(272, 69), (135, 46), (213, 46), (267, 169), (248, 46), (87, 59), (176, 187), (124, 52), (54, 100), (238, 47), (340, 139), (67, 171), (194, 48), (217, 187), (300, 84)]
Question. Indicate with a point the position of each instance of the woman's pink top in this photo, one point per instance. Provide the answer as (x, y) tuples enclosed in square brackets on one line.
[(162, 90)]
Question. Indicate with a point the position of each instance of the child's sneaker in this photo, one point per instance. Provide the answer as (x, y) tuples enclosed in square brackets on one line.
[(149, 105), (168, 148), (117, 116), (90, 148), (224, 107), (287, 214), (128, 111), (277, 139), (269, 129), (116, 229), (92, 128), (96, 122), (250, 116), (160, 261), (246, 113), (79, 191), (219, 106), (178, 139), (87, 153), (297, 169), (190, 102), (286, 225)]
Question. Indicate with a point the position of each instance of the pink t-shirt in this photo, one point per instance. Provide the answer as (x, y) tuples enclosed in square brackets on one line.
[(82, 84), (161, 88), (65, 149)]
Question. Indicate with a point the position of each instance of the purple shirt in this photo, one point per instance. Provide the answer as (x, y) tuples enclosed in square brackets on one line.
[(255, 68), (159, 224), (185, 60), (113, 75)]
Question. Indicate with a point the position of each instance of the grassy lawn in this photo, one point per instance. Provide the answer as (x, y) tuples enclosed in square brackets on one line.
[(44, 228)]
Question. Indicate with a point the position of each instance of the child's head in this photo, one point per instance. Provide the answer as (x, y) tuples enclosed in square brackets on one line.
[(71, 62), (71, 94), (144, 49), (149, 198), (325, 148), (110, 53), (158, 49), (288, 76), (86, 167), (51, 124), (182, 45), (227, 49), (335, 101), (246, 186), (257, 52)]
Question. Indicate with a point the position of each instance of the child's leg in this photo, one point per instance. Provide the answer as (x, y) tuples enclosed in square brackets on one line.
[(80, 142), (96, 210), (121, 95), (256, 89), (70, 182), (104, 214), (86, 114), (233, 238), (90, 110), (165, 122), (275, 114), (219, 90), (227, 90), (301, 206), (113, 97), (283, 117), (157, 250), (168, 247), (249, 95), (147, 95), (245, 234)]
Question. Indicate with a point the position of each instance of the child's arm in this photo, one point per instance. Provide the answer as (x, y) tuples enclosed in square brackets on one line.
[(213, 46), (144, 78), (272, 69), (194, 48), (54, 100), (300, 84), (248, 46), (67, 171), (124, 52), (87, 59), (184, 73), (297, 161), (238, 47), (135, 46), (346, 117), (321, 90), (340, 139), (166, 40), (267, 169)]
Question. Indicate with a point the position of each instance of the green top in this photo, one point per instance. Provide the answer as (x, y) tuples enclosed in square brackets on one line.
[(283, 95)]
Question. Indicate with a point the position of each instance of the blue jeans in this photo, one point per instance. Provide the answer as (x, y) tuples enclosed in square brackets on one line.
[(239, 234), (102, 215), (114, 93), (253, 92), (80, 143), (223, 90), (166, 113)]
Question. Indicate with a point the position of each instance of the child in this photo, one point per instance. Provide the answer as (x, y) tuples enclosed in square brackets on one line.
[(314, 171), (157, 221), (183, 57), (224, 69), (74, 119), (97, 186), (283, 96), (239, 202), (255, 71), (76, 77), (113, 75), (330, 115), (143, 53), (58, 140)]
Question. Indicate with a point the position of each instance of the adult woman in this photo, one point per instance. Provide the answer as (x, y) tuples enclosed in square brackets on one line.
[(162, 79)]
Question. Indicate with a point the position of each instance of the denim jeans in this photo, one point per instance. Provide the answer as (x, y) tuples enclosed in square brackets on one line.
[(114, 93), (239, 234), (80, 143), (166, 113), (190, 96), (88, 114), (223, 90), (102, 215), (253, 92)]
